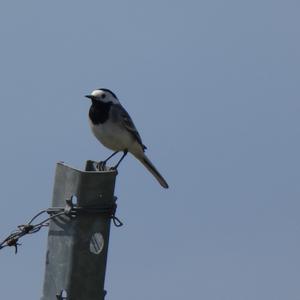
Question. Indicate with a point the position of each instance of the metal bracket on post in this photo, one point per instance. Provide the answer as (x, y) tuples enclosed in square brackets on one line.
[(78, 239)]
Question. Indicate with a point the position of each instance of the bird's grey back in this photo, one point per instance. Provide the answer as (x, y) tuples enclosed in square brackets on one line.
[(119, 114)]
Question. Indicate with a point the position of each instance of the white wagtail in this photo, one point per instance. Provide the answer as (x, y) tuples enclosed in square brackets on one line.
[(113, 127)]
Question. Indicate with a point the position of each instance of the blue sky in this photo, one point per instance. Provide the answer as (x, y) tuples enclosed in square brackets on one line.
[(213, 87)]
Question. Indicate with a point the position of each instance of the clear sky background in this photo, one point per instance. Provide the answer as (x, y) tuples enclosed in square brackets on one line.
[(213, 87)]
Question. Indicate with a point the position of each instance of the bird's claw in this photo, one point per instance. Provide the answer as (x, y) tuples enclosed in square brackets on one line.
[(101, 166)]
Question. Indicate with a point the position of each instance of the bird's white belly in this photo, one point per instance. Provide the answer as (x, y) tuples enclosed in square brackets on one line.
[(112, 136)]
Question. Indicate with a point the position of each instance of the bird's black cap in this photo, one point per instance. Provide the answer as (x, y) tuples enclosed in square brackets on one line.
[(108, 91)]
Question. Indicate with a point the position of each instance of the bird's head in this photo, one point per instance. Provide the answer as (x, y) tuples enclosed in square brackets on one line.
[(103, 95)]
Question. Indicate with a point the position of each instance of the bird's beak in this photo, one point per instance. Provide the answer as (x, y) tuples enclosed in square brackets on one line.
[(89, 96)]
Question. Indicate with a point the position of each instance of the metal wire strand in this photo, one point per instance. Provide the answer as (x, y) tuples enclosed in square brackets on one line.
[(12, 240)]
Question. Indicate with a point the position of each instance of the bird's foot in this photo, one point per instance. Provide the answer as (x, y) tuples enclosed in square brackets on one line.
[(114, 168), (101, 166)]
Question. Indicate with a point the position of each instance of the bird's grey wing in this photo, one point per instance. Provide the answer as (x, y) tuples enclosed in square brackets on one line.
[(120, 114)]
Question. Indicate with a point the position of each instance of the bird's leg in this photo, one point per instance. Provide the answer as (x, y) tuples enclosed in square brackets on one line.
[(101, 164), (124, 154)]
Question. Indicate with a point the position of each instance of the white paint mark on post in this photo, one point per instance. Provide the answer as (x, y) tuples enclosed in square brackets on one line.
[(96, 243)]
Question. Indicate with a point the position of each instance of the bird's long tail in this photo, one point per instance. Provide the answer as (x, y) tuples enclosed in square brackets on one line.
[(150, 167)]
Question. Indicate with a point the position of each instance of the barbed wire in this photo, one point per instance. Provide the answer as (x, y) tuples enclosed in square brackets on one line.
[(70, 210)]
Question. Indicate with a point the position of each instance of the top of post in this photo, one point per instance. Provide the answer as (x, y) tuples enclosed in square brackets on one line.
[(89, 186)]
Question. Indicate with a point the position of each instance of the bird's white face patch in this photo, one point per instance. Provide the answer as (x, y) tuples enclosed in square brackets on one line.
[(97, 93), (104, 96)]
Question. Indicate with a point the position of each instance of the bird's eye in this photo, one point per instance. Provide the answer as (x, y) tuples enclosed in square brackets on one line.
[(103, 96)]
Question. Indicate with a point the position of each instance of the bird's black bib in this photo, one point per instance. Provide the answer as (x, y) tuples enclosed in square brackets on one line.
[(99, 112)]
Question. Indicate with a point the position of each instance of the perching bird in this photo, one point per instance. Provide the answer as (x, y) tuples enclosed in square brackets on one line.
[(113, 127)]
